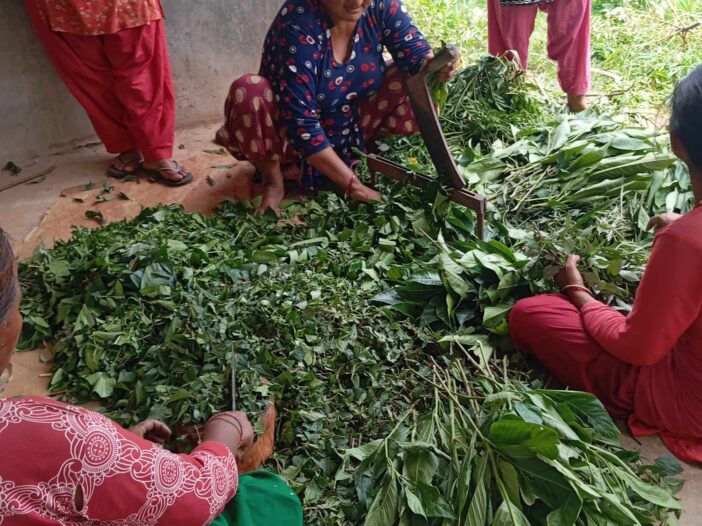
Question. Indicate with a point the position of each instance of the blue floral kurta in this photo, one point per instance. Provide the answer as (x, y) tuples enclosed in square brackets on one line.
[(318, 98)]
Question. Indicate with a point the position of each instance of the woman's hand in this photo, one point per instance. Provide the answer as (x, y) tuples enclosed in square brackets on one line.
[(447, 72), (662, 221), (152, 430), (570, 275), (578, 294), (360, 192), (330, 164), (232, 429)]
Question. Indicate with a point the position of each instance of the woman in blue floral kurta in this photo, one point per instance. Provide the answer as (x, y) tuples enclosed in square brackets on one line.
[(323, 89)]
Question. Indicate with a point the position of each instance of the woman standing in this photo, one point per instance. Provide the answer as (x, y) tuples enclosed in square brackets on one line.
[(323, 90), (647, 365), (511, 23), (113, 57)]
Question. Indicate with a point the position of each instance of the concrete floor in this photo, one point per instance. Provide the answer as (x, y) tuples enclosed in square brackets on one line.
[(33, 214)]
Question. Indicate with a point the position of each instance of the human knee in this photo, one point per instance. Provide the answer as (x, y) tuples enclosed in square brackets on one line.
[(249, 85), (524, 319)]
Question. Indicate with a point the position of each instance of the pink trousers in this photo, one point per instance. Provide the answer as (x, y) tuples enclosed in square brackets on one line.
[(510, 28), (123, 81), (550, 328)]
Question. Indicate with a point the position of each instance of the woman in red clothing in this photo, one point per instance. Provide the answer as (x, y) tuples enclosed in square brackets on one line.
[(113, 56), (646, 366), (62, 465)]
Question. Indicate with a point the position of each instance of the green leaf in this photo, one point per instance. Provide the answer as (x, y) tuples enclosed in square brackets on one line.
[(426, 500), (384, 510), (669, 465), (538, 438), (589, 410), (102, 384), (362, 452), (85, 318), (558, 136), (567, 514), (510, 480), (420, 466), (477, 512), (509, 514)]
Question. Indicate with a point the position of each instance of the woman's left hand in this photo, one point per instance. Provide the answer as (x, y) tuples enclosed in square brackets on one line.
[(570, 275), (447, 72), (152, 430)]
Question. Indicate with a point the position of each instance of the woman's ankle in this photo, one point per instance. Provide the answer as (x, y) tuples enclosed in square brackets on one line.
[(577, 103)]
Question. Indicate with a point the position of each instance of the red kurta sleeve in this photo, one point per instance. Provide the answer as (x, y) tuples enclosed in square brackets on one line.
[(89, 470), (667, 302), (163, 488)]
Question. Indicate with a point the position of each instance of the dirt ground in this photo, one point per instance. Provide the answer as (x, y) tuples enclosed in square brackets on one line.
[(41, 213)]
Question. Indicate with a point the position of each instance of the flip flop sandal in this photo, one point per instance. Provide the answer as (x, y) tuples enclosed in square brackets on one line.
[(121, 174), (156, 177)]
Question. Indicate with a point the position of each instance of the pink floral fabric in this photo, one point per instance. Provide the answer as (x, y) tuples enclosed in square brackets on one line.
[(53, 456), (98, 17)]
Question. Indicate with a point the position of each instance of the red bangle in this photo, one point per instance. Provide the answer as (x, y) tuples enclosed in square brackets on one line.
[(348, 188)]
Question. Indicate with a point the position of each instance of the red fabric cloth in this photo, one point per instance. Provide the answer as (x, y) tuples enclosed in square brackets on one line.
[(50, 452), (123, 81), (98, 17), (251, 130), (510, 29), (647, 365)]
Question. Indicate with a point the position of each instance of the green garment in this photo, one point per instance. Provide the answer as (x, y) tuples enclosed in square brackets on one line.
[(263, 499)]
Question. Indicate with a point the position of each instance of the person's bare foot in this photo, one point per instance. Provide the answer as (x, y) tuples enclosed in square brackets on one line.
[(577, 103), (273, 194), (291, 172), (168, 169)]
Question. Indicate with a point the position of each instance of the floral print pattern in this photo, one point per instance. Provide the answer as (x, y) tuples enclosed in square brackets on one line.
[(98, 17), (50, 452), (318, 98)]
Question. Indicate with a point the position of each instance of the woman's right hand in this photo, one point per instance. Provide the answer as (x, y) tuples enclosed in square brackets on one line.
[(360, 192), (662, 221), (330, 164), (230, 428)]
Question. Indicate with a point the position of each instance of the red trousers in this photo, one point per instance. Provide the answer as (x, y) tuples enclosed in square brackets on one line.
[(510, 28), (251, 130), (550, 328), (122, 80)]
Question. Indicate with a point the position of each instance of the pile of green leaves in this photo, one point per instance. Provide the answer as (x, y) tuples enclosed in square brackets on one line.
[(492, 450), (570, 162), (148, 316), (485, 101), (148, 313), (342, 314)]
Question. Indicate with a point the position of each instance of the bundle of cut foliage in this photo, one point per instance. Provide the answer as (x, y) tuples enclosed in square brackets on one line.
[(485, 101), (495, 450)]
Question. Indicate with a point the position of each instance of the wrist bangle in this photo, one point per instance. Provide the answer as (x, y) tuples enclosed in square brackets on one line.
[(351, 181), (231, 420), (578, 288)]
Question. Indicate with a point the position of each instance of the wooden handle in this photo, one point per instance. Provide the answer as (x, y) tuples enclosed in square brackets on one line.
[(447, 55)]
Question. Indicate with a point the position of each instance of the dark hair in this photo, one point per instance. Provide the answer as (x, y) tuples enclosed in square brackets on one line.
[(8, 281), (686, 118)]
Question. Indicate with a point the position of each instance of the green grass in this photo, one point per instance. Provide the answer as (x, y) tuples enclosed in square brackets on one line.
[(638, 50)]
